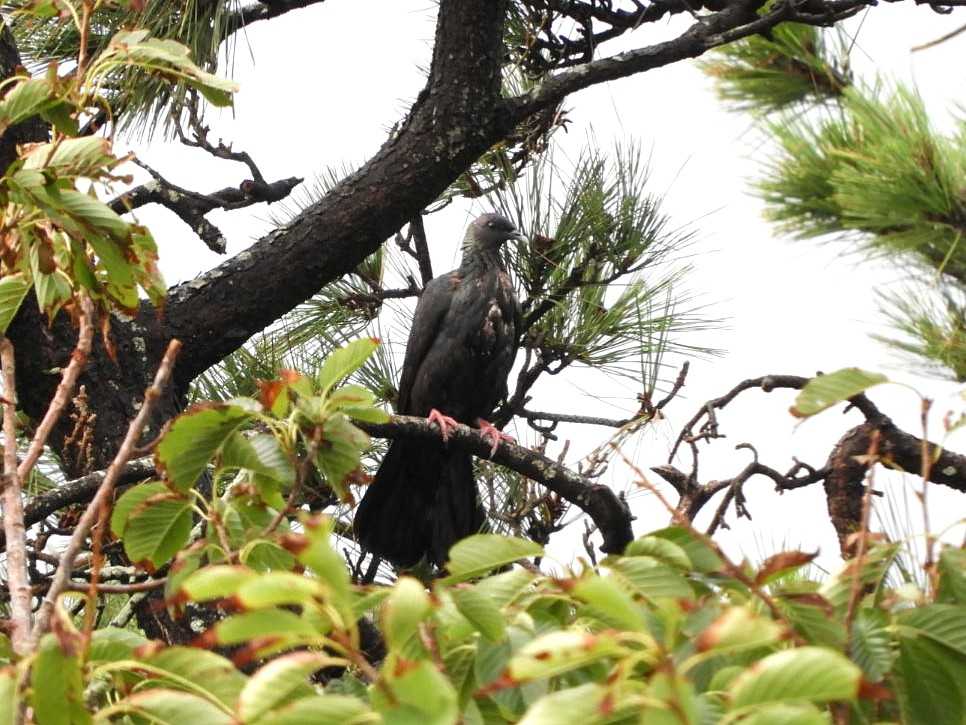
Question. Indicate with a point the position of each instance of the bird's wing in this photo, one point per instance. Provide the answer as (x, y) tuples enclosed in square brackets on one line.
[(433, 305)]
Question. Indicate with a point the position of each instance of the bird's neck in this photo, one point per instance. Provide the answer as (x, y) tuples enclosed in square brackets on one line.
[(476, 260)]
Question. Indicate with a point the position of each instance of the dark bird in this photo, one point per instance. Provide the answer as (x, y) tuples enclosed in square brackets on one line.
[(461, 346)]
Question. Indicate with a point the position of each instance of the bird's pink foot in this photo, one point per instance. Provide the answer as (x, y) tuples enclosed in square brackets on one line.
[(493, 434), (445, 423)]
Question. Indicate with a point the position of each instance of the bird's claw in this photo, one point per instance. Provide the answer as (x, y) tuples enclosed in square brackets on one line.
[(493, 434), (445, 423)]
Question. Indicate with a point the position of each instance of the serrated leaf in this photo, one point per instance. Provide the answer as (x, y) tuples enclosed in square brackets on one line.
[(165, 58), (322, 710), (195, 437), (943, 623), (783, 714), (260, 453), (280, 627), (610, 602), (340, 454), (280, 682), (134, 499), (824, 391), (88, 156), (930, 684), (952, 576), (57, 683), (113, 644), (781, 563), (216, 582), (702, 557), (199, 671), (345, 361), (660, 548), (561, 651), (813, 674), (157, 529), (505, 587), (407, 605), (650, 577), (13, 291), (482, 553), (314, 550), (481, 611), (871, 643), (582, 704), (739, 628), (420, 694), (277, 588), (172, 707), (263, 555)]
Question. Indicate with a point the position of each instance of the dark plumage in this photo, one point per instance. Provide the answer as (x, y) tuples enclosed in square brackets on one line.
[(461, 347)]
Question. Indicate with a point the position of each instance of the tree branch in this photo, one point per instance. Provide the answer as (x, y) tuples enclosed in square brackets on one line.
[(104, 492), (605, 508)]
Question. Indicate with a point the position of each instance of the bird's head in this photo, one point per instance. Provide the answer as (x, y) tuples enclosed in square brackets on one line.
[(489, 232)]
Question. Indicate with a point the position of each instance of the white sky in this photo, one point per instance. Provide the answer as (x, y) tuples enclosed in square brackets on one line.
[(327, 82)]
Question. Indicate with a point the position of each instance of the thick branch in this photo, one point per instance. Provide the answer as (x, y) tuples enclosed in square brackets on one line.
[(737, 21), (608, 512), (456, 117)]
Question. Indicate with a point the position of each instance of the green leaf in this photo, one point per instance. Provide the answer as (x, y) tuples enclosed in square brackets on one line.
[(661, 549), (9, 697), (650, 577), (871, 643), (481, 553), (57, 682), (157, 529), (208, 673), (277, 588), (196, 436), (505, 587), (421, 694), (561, 651), (315, 551), (280, 627), (13, 291), (824, 391), (784, 714), (133, 500), (812, 674), (263, 555), (113, 644), (260, 453), (281, 682), (339, 455), (322, 710), (165, 58), (584, 704), (739, 628), (88, 156), (406, 607), (610, 602), (952, 576), (702, 557), (943, 623), (481, 611), (345, 361), (216, 582), (172, 707), (930, 683)]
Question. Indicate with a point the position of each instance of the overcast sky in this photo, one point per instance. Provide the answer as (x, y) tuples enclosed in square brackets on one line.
[(321, 86)]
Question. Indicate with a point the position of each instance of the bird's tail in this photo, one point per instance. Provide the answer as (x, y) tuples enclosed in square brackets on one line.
[(422, 500)]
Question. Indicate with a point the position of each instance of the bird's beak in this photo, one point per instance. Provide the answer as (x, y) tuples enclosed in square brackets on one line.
[(518, 236)]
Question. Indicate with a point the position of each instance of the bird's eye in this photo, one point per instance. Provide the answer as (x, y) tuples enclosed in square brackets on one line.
[(490, 225)]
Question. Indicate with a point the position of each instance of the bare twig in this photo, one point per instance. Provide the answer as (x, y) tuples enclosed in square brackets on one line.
[(65, 389), (18, 581), (62, 576), (941, 39)]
